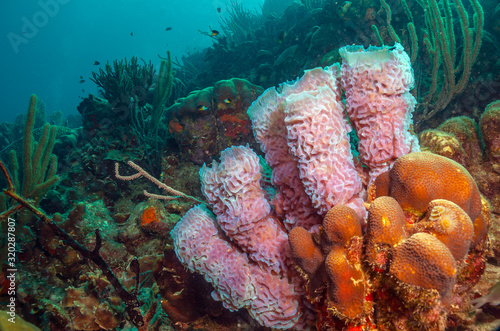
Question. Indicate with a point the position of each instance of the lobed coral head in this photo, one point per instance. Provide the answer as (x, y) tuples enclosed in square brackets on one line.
[(451, 225), (418, 178), (426, 262), (385, 228), (346, 292), (340, 224), (305, 251)]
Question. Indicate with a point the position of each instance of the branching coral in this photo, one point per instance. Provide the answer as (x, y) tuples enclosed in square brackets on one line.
[(123, 80)]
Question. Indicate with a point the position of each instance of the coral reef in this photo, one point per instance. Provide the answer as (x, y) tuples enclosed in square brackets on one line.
[(410, 263), (462, 140), (301, 35), (86, 308), (207, 121), (317, 235), (123, 80)]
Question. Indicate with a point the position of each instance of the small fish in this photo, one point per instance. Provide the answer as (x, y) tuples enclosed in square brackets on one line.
[(96, 63), (201, 107), (81, 77), (82, 81), (226, 101), (493, 298), (281, 36), (83, 90), (132, 34), (168, 28), (215, 33), (219, 10)]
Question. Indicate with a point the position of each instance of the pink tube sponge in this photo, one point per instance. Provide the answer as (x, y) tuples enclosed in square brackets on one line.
[(269, 298), (303, 128), (377, 82), (233, 189), (268, 123), (317, 137)]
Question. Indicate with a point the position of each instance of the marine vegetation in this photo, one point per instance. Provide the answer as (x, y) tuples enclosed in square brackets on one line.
[(278, 179), (123, 80)]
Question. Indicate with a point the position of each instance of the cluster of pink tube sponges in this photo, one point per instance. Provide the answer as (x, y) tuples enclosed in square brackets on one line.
[(303, 130), (248, 272)]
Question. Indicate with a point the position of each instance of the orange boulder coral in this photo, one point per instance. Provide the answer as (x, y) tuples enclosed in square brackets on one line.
[(418, 178), (419, 252), (346, 293), (385, 228), (331, 261), (340, 224), (424, 261), (304, 250), (451, 225)]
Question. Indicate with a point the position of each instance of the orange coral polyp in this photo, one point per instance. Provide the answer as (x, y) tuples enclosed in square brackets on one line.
[(347, 292), (418, 178), (340, 224), (305, 252), (426, 262), (149, 215)]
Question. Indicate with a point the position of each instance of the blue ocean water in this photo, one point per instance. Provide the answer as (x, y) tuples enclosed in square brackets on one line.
[(47, 45)]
